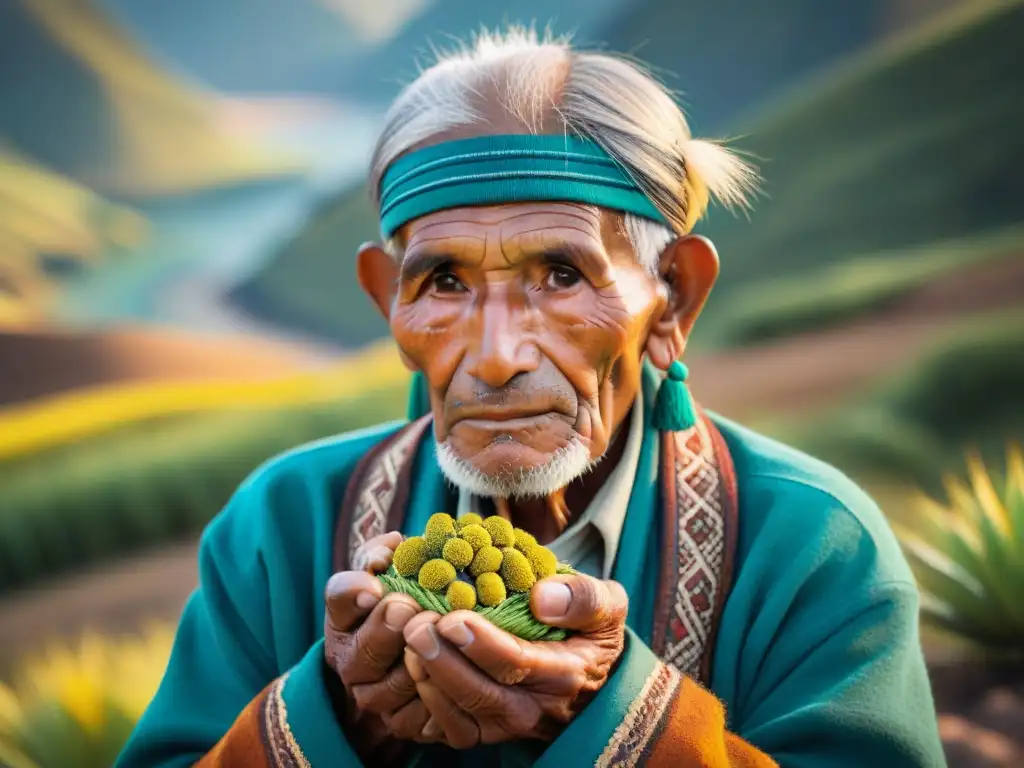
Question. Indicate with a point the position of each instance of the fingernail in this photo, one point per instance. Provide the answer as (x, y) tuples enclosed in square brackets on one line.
[(553, 599), (431, 730), (366, 600), (397, 615), (458, 633), (424, 642)]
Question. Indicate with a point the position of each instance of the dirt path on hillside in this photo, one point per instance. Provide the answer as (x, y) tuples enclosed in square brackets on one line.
[(40, 363), (813, 369), (114, 598)]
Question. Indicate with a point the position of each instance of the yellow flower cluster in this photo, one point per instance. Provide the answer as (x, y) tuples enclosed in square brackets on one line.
[(474, 560)]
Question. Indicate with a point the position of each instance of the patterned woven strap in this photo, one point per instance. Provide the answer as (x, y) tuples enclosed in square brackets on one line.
[(699, 526), (377, 493)]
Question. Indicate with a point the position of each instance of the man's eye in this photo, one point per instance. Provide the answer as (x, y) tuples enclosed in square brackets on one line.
[(561, 277), (447, 282)]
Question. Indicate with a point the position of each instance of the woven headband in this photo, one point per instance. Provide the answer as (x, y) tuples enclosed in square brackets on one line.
[(506, 169)]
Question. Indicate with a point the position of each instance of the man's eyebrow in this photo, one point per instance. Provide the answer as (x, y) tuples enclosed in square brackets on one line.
[(420, 263), (423, 261), (579, 255)]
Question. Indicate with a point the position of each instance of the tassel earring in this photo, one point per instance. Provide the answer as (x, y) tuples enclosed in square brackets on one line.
[(674, 410)]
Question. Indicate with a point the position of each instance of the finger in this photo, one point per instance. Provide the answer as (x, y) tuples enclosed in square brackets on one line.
[(477, 694), (391, 540), (544, 667), (388, 695), (408, 722), (375, 560), (349, 597), (580, 602), (412, 662), (425, 617), (460, 730), (432, 733), (380, 641), (415, 666), (375, 549)]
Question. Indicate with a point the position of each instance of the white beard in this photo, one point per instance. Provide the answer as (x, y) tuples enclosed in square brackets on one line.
[(565, 465)]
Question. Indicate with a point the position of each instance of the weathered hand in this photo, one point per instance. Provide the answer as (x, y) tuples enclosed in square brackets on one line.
[(481, 684), (364, 644)]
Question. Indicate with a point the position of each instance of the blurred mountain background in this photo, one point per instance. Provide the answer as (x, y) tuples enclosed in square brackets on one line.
[(182, 196), (239, 132)]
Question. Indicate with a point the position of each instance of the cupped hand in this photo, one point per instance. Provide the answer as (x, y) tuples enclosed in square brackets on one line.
[(481, 684), (364, 645)]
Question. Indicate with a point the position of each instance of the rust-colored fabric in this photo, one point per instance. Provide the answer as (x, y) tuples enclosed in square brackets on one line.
[(693, 735), (243, 746)]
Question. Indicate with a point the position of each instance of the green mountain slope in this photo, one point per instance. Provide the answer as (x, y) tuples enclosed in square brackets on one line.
[(910, 145), (82, 99), (907, 146), (311, 285)]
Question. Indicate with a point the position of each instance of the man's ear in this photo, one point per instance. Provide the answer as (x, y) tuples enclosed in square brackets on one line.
[(378, 276), (689, 268)]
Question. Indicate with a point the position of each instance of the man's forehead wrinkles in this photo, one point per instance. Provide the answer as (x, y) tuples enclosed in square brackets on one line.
[(559, 212), (585, 243), (569, 227), (550, 232), (589, 212), (472, 237), (588, 250), (464, 227), (445, 238), (556, 213)]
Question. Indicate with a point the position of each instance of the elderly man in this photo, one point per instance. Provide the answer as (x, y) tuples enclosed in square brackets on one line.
[(736, 603)]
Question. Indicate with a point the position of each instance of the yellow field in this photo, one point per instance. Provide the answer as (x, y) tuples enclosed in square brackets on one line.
[(68, 417)]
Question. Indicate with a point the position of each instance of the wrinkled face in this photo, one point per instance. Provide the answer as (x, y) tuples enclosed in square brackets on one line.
[(529, 321)]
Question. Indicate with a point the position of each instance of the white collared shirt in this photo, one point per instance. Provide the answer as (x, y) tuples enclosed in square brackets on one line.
[(590, 544)]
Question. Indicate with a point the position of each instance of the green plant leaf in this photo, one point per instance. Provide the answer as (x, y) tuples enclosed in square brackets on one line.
[(969, 558)]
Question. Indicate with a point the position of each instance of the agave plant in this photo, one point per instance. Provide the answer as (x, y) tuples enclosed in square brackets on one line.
[(77, 706), (968, 555)]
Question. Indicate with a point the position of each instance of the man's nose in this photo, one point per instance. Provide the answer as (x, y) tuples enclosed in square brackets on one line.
[(502, 348)]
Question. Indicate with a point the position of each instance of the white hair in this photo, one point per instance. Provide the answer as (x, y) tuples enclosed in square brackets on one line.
[(564, 465), (607, 99)]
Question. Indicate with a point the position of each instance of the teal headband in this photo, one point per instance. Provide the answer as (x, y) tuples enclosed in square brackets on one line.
[(506, 169)]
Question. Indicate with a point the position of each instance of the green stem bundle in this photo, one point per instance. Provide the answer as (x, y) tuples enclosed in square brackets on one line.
[(512, 615)]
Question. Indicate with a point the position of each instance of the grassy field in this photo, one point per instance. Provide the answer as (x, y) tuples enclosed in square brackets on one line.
[(851, 289), (155, 480), (144, 464), (872, 158), (964, 394)]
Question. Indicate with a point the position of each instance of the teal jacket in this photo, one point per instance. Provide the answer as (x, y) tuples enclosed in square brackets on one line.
[(818, 661)]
